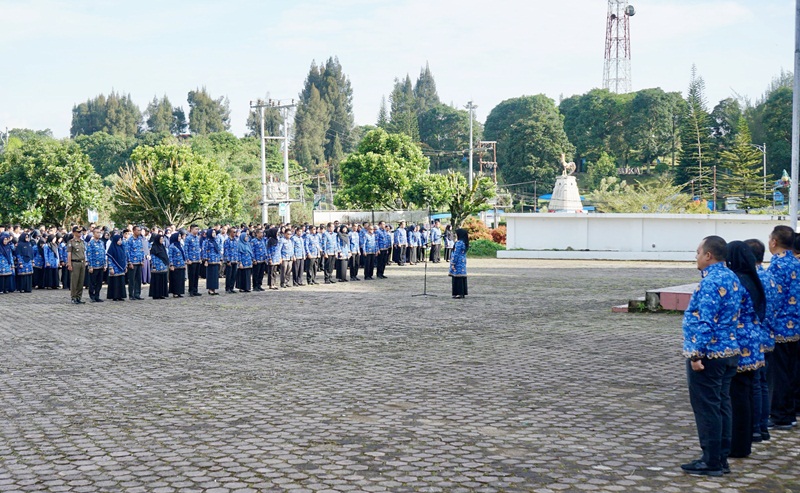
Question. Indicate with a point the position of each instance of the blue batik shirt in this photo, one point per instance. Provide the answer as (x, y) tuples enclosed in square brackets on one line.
[(384, 239), (274, 252), (299, 247), (38, 258), (343, 247), (749, 335), (436, 236), (230, 252), (312, 246), (370, 245), (287, 248), (259, 249), (135, 250), (191, 247), (96, 254), (400, 238), (711, 319), (355, 241), (50, 257), (785, 268), (329, 243), (771, 293), (157, 265), (176, 258), (62, 253), (211, 254), (458, 260)]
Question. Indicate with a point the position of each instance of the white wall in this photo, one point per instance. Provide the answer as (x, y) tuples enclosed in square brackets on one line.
[(642, 235)]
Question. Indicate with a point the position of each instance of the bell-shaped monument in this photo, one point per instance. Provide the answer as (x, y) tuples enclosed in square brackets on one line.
[(566, 197)]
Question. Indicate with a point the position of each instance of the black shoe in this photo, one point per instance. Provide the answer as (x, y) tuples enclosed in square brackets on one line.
[(79, 301), (98, 300), (73, 301), (765, 436), (756, 439), (700, 468), (180, 296), (726, 468), (783, 427), (139, 298)]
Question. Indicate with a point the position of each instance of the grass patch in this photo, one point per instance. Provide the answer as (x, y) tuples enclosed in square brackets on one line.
[(484, 248)]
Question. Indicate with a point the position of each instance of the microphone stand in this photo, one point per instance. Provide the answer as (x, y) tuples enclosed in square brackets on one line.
[(425, 254)]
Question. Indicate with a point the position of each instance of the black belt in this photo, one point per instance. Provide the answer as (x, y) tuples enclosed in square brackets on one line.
[(77, 261)]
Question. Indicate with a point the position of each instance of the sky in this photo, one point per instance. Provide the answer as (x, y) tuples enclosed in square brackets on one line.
[(57, 53)]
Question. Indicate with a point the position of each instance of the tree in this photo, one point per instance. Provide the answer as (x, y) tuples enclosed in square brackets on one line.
[(116, 114), (272, 121), (696, 140), (107, 153), (163, 118), (530, 137), (403, 115), (310, 131), (379, 174), (651, 123), (206, 114), (466, 200), (590, 120), (776, 119), (444, 133), (605, 167), (430, 191), (383, 116), (170, 184), (724, 121), (47, 181), (425, 95), (743, 163)]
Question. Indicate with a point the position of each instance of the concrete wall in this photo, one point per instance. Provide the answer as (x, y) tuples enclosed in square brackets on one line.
[(631, 236), (392, 217)]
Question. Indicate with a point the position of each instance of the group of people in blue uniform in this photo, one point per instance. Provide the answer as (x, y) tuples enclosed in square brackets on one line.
[(740, 339), (287, 256)]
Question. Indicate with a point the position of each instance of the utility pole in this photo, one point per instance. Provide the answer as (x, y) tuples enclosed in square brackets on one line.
[(471, 107), (260, 105), (795, 120), (286, 108)]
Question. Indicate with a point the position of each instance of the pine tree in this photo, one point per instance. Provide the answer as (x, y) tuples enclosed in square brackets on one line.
[(310, 131), (694, 169), (159, 115), (208, 115), (743, 166), (403, 109), (383, 117), (425, 91)]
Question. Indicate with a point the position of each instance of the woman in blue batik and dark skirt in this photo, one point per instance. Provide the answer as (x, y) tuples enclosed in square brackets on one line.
[(117, 268), (159, 266), (50, 272), (244, 273), (38, 262), (6, 263), (177, 269), (211, 259), (62, 262), (24, 262), (458, 264)]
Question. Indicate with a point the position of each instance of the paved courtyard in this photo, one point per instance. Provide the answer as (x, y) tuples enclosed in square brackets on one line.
[(530, 384)]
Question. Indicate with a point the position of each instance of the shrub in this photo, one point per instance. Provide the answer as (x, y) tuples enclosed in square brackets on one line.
[(499, 235), (484, 248), (476, 229)]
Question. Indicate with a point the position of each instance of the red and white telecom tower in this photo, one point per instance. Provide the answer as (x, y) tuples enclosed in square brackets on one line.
[(617, 69)]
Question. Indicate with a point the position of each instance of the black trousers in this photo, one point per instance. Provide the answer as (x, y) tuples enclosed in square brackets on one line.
[(272, 275), (369, 265), (297, 272), (435, 253), (742, 414), (231, 269), (354, 264), (330, 262), (193, 271), (258, 274), (460, 286), (781, 375), (95, 283), (341, 269), (311, 270), (135, 281), (709, 393), (381, 260)]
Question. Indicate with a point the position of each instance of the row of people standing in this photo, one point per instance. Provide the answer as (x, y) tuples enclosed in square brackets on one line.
[(741, 333)]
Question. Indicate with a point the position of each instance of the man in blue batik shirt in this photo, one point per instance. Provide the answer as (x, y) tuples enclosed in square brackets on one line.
[(782, 369), (96, 262), (134, 249), (191, 247), (329, 250), (712, 355)]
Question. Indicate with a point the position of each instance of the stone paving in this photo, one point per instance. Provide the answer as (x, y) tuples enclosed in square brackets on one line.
[(531, 384)]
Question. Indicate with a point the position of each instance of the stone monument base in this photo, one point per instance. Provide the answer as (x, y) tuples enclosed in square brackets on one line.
[(566, 197)]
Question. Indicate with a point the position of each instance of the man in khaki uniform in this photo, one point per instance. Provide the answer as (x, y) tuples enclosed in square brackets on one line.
[(76, 264)]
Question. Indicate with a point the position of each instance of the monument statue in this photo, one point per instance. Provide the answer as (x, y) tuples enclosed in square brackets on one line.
[(566, 197)]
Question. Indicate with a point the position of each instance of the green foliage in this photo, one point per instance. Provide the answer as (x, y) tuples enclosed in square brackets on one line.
[(776, 117), (116, 115), (743, 163), (170, 184), (206, 114), (272, 121), (47, 181), (604, 167), (164, 118), (695, 159), (429, 191), (381, 172), (530, 139), (403, 116), (654, 117), (466, 200), (484, 249), (106, 152), (662, 196), (444, 133), (425, 95)]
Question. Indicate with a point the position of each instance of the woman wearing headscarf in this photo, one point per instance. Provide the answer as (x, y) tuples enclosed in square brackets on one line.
[(177, 266), (23, 259), (742, 262), (244, 273), (212, 257), (274, 260), (38, 261), (117, 268), (6, 263), (51, 261), (458, 264), (159, 266), (66, 275)]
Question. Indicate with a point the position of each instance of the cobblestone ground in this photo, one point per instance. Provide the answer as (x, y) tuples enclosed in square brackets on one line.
[(531, 384)]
